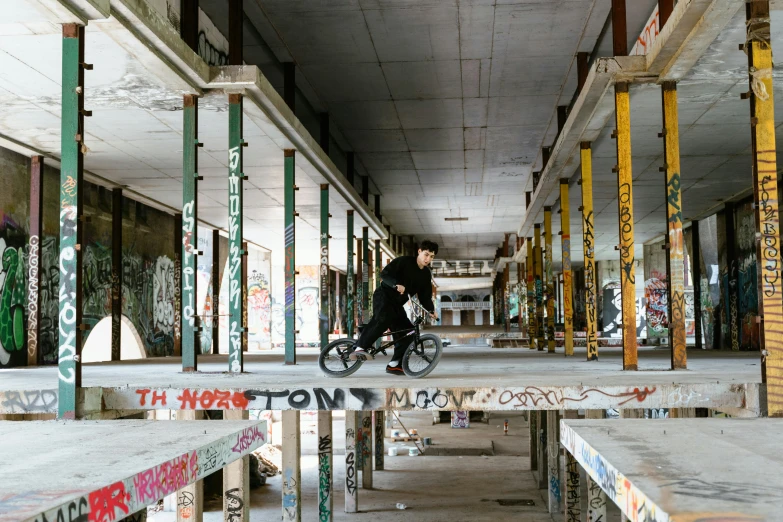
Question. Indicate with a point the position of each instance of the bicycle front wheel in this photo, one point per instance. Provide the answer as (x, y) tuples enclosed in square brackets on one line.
[(421, 358), (334, 359)]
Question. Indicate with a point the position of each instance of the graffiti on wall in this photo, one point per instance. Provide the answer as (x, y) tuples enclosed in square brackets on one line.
[(656, 295), (13, 302), (305, 307), (747, 280), (613, 312)]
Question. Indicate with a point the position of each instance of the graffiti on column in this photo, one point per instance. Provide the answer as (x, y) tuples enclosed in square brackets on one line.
[(68, 280), (590, 286), (676, 267), (188, 263), (324, 276), (324, 477), (627, 262), (236, 325), (567, 297), (32, 296)]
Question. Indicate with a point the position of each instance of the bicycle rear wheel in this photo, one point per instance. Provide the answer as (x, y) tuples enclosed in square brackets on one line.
[(421, 358), (334, 360)]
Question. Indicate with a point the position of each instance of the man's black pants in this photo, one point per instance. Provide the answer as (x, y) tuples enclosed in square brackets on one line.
[(386, 315)]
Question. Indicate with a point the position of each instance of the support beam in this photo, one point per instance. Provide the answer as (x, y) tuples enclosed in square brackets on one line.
[(116, 273), (504, 290), (290, 259), (588, 239), (245, 344), (71, 225), (323, 320), (365, 317), (189, 231), (625, 202), (553, 459), (289, 85), (292, 471), (178, 242), (732, 311), (349, 279), (532, 328), (543, 463), (549, 283), (34, 263), (377, 276), (236, 251), (762, 111), (215, 292), (190, 499), (696, 271), (539, 274), (379, 418), (325, 467), (532, 421), (596, 501), (674, 260), (367, 449), (359, 283), (351, 473), (236, 15), (565, 232), (573, 496), (619, 29), (236, 479)]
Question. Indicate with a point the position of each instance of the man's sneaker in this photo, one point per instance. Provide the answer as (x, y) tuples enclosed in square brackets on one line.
[(359, 354), (395, 370)]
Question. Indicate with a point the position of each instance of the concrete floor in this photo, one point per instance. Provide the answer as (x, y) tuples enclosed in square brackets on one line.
[(461, 366), (434, 489)]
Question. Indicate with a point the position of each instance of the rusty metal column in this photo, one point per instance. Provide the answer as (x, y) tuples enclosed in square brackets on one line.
[(565, 233), (34, 257), (625, 202), (588, 238), (236, 249), (539, 270), (674, 260), (71, 220), (762, 110), (190, 146), (549, 282), (531, 294), (116, 273)]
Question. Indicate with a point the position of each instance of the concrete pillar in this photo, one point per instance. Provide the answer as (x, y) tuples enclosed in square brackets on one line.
[(553, 459), (290, 257), (325, 467), (116, 272), (588, 238), (351, 472), (323, 320), (349, 279), (365, 310), (762, 111), (549, 282), (189, 232), (216, 292), (531, 294), (379, 434), (696, 271), (71, 226), (674, 261), (33, 261), (543, 467), (625, 202), (732, 306), (573, 500), (539, 275), (236, 480), (292, 472), (190, 499), (632, 413), (532, 422), (596, 502), (366, 460), (236, 249), (565, 233), (595, 414)]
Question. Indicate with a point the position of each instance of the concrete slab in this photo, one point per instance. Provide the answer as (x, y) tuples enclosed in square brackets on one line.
[(467, 378), (681, 470), (107, 470)]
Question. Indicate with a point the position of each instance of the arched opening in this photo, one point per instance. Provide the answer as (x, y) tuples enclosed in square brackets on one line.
[(97, 348)]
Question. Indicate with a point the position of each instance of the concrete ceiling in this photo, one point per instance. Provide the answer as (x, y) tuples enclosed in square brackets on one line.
[(446, 102)]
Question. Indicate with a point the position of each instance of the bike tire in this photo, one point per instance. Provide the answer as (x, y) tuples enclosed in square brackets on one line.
[(331, 353), (414, 354)]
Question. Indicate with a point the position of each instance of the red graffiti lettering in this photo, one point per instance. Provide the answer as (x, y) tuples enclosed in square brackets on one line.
[(143, 398), (158, 397), (166, 478), (105, 502), (218, 399)]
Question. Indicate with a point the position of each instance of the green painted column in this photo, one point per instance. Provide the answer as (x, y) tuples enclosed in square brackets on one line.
[(349, 279), (71, 175), (364, 316), (324, 271), (236, 250), (290, 261), (377, 273), (189, 232)]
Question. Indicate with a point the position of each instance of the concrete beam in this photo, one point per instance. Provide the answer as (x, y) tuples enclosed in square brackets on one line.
[(272, 115), (56, 11)]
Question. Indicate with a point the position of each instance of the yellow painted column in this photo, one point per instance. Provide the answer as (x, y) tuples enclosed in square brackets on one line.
[(565, 239), (549, 285), (531, 294), (537, 263), (622, 104), (762, 109), (674, 261), (588, 239)]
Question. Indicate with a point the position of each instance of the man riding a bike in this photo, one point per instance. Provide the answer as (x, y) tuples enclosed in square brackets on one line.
[(405, 276)]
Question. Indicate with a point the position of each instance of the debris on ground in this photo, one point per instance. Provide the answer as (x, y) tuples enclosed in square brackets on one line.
[(401, 506), (270, 459)]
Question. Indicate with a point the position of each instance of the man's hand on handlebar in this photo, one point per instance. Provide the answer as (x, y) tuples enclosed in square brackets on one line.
[(433, 316), (401, 289)]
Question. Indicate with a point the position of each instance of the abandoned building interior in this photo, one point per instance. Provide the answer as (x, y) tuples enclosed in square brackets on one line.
[(198, 199)]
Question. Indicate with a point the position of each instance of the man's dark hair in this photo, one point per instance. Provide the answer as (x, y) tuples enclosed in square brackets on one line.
[(429, 245)]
